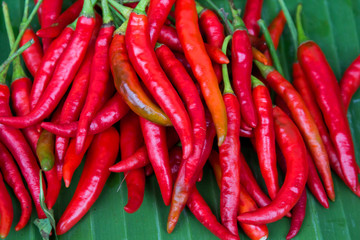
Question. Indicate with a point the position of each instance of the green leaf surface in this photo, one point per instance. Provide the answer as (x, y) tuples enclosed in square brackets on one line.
[(335, 26)]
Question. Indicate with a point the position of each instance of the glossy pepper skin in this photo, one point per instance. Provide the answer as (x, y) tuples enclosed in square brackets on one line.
[(195, 52), (302, 86), (67, 17), (328, 96), (114, 109), (33, 55), (143, 58), (303, 119), (265, 138), (128, 86), (13, 178), (155, 141), (350, 82), (64, 73), (130, 140), (291, 144), (6, 210), (157, 14), (252, 14), (102, 154)]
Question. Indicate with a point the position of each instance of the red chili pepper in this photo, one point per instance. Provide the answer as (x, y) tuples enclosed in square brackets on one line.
[(14, 180), (64, 73), (230, 155), (33, 55), (148, 170), (6, 210), (99, 76), (327, 93), (216, 54), (155, 141), (350, 82), (241, 65), (157, 13), (50, 11), (128, 85), (252, 14), (301, 84), (303, 119), (265, 137), (149, 70), (246, 203), (130, 140), (314, 183), (102, 154), (112, 112), (246, 133), (67, 17), (291, 144), (195, 52), (140, 157)]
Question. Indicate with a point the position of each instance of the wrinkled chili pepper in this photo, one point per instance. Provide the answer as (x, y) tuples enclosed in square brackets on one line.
[(45, 150), (148, 68), (102, 154), (194, 49), (64, 73), (99, 76), (6, 210), (230, 155), (155, 141), (131, 139), (113, 111), (350, 82), (14, 180), (327, 93), (291, 144), (128, 86), (303, 119), (252, 14), (157, 14), (265, 136), (67, 17), (241, 65)]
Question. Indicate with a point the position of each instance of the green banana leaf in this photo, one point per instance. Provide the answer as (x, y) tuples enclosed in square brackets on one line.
[(335, 26)]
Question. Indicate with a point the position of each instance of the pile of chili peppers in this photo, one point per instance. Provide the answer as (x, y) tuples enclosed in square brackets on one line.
[(157, 81)]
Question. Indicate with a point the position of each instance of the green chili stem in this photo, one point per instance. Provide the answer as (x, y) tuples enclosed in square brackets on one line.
[(25, 14), (124, 11), (225, 72), (264, 69), (300, 30), (256, 82), (199, 8), (290, 24), (238, 23), (271, 46), (140, 8), (107, 17)]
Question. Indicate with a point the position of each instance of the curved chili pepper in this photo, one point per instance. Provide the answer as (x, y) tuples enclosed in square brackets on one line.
[(149, 70), (327, 93), (314, 183), (33, 55), (155, 141), (64, 73), (241, 65), (195, 52), (350, 82), (303, 119), (230, 155), (265, 137), (67, 17), (100, 69), (252, 14), (45, 150), (291, 144), (246, 203), (216, 54), (14, 180), (102, 154), (131, 139), (157, 14), (113, 111), (6, 210), (301, 84), (128, 86)]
